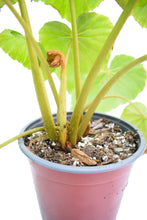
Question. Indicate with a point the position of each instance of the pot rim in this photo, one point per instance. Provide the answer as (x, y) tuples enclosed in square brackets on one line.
[(91, 169)]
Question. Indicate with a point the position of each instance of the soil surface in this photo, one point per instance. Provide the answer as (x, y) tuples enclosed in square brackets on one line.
[(105, 143)]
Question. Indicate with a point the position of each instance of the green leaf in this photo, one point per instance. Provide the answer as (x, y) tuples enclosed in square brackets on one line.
[(139, 12), (93, 30), (128, 86), (132, 115), (2, 3), (14, 44), (55, 35), (82, 6)]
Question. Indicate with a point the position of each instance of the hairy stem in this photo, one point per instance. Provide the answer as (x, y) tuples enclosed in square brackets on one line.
[(62, 107), (104, 91), (78, 110), (22, 135), (38, 81), (55, 59), (36, 47), (75, 48), (127, 100)]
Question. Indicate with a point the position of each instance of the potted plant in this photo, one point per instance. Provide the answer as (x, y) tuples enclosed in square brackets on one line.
[(69, 45)]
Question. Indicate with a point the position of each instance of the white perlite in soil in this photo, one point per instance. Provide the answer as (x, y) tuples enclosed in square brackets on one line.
[(105, 143)]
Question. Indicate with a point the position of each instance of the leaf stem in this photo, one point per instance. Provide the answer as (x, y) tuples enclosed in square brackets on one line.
[(78, 110), (22, 135), (75, 48), (127, 100), (62, 106), (104, 91), (36, 47), (55, 59), (38, 80)]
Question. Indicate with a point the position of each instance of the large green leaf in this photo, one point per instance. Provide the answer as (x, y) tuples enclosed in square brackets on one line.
[(134, 116), (82, 6), (139, 12), (129, 86), (93, 29), (14, 44), (2, 3)]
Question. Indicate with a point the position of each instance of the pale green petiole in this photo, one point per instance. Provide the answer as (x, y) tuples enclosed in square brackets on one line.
[(22, 135), (76, 58), (38, 80), (127, 100), (55, 59)]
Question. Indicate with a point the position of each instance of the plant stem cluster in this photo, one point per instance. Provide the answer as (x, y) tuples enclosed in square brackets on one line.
[(69, 132)]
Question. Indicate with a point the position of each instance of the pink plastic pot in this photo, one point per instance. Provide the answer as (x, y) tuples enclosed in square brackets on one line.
[(81, 193)]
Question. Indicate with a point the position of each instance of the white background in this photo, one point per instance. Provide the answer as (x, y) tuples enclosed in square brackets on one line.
[(18, 106)]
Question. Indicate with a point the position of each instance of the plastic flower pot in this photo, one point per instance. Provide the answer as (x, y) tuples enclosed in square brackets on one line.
[(81, 193)]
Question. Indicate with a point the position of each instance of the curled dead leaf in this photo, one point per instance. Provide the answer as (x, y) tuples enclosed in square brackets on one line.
[(55, 58)]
